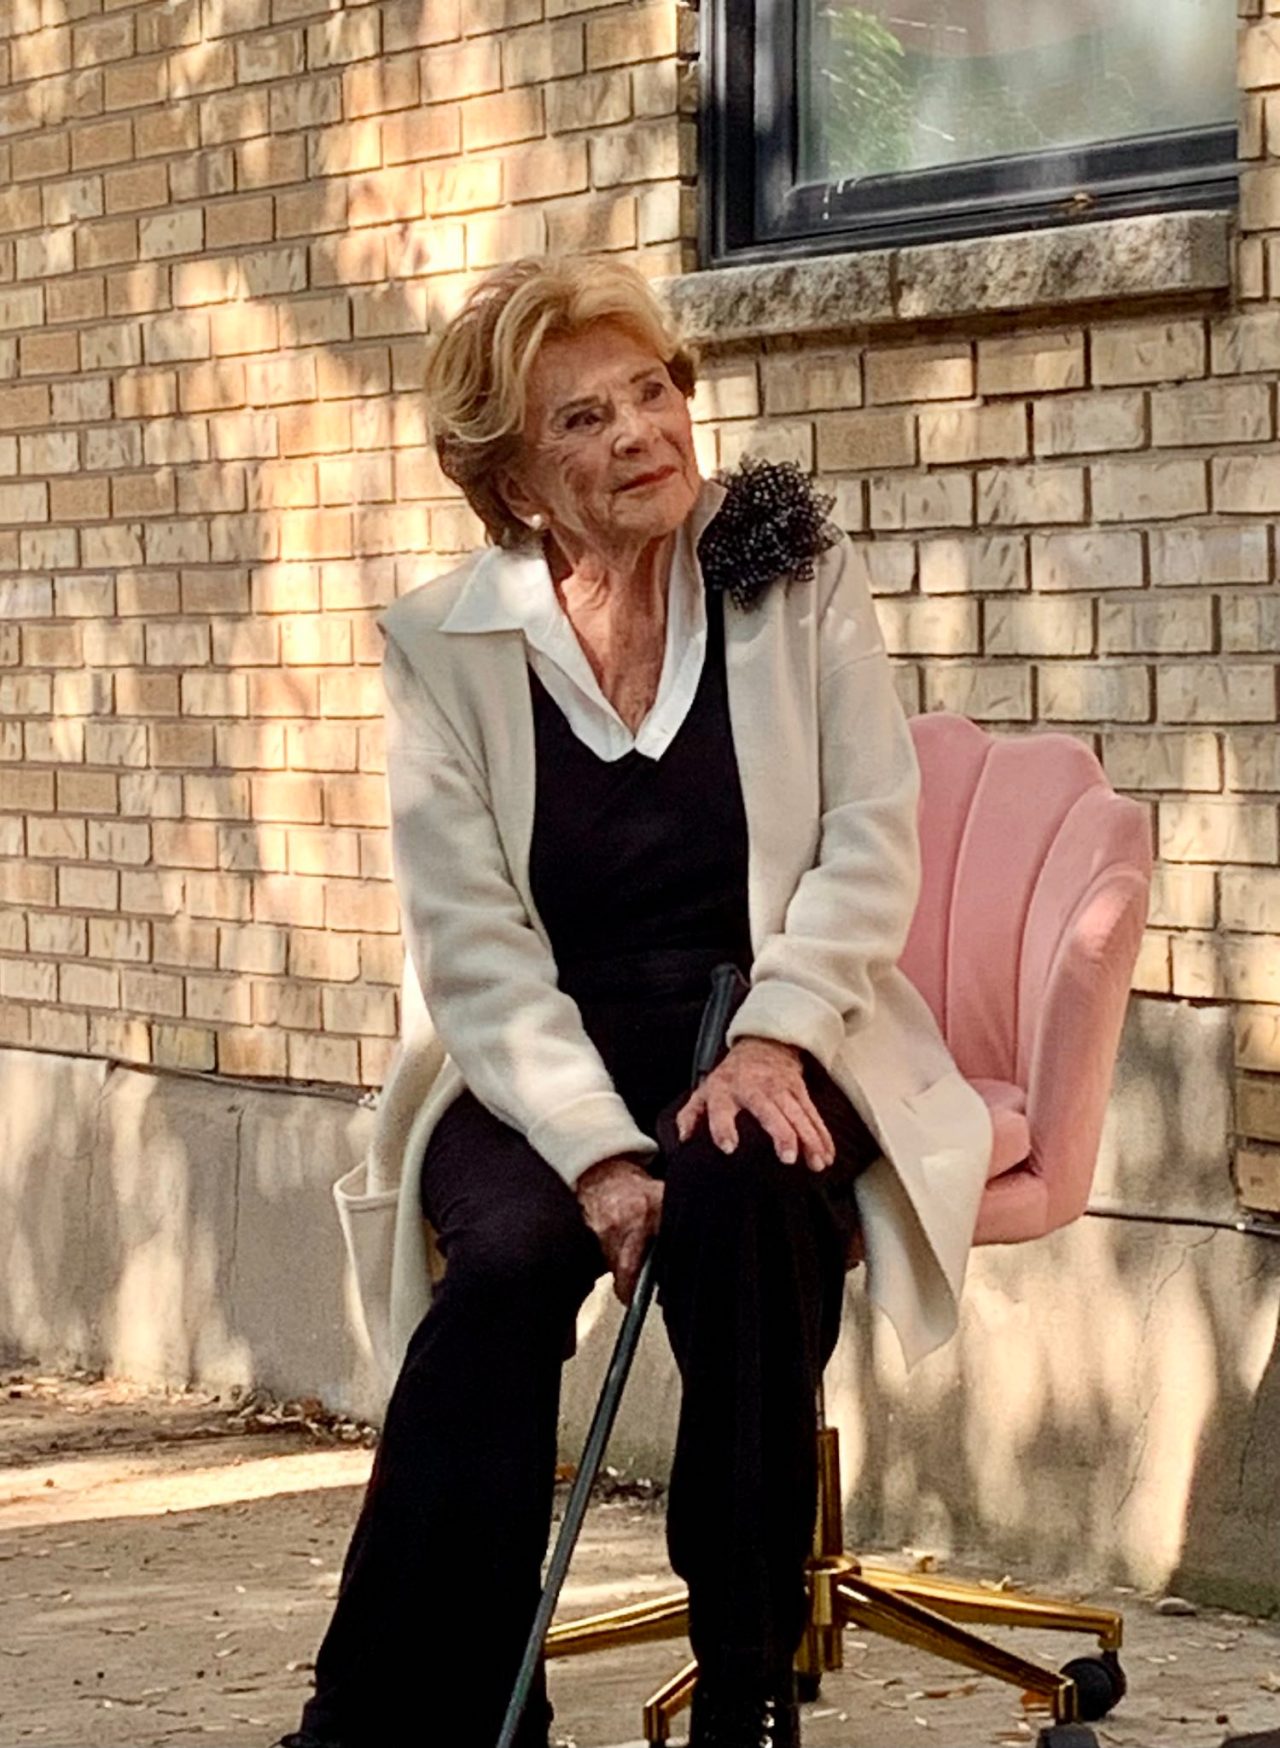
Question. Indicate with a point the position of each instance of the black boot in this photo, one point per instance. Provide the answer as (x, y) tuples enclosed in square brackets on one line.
[(728, 1715)]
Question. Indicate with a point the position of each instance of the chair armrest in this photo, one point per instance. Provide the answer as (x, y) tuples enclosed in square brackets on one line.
[(1077, 1035)]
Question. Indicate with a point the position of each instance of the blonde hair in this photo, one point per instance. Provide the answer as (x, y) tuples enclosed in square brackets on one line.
[(478, 370)]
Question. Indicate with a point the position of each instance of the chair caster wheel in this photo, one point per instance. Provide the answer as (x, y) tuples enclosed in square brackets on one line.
[(1100, 1683), (1066, 1736), (808, 1688)]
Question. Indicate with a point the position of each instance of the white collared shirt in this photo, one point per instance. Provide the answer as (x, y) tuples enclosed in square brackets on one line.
[(514, 591)]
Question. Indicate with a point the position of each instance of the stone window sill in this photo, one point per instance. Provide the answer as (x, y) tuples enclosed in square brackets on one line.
[(1160, 255)]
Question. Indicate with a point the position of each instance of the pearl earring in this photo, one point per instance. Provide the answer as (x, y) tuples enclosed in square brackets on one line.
[(537, 521)]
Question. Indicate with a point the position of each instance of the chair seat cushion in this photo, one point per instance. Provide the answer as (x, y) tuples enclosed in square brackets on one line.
[(1010, 1133)]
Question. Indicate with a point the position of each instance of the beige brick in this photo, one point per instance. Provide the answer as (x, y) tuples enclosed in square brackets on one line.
[(1252, 759), (1182, 896), (222, 896), (1260, 198), (256, 947), (1257, 1173), (1250, 623), (860, 441), (496, 237), (1151, 973), (1181, 556), (1030, 495), (134, 84), (1031, 363), (28, 980), (482, 16), (38, 155), (252, 849), (973, 567), (1230, 967), (764, 440), (274, 55), (1035, 626), (56, 839), (409, 24), (1209, 830), (86, 792), (323, 852), (984, 691), (1161, 759), (920, 373), (1246, 484), (595, 100), (323, 1059), (188, 1047), (351, 36), (1258, 1038), (100, 143), (1259, 47), (940, 500), (462, 187), (503, 118), (119, 842), (589, 224), (313, 953), (177, 233), (283, 898), (253, 1052), (977, 433), (1094, 692), (468, 69), (294, 1005), (25, 504), (1250, 901), (266, 163), (1138, 491), (548, 168), (647, 152), (151, 893), (424, 133), (888, 566), (1213, 691), (633, 33), (1079, 423), (359, 1010), (151, 794), (1212, 413), (1246, 343), (1148, 352), (88, 888), (361, 906), (49, 354), (935, 627), (796, 382), (543, 52), (1155, 625)]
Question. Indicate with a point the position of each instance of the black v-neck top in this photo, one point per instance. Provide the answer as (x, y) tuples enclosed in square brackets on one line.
[(638, 869)]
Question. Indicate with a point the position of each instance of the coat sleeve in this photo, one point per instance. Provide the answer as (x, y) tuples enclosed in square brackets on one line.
[(848, 918), (488, 978)]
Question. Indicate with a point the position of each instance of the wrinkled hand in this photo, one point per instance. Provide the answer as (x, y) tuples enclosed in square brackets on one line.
[(766, 1079), (621, 1204)]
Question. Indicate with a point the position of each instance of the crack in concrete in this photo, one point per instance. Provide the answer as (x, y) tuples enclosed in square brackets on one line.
[(1138, 1438)]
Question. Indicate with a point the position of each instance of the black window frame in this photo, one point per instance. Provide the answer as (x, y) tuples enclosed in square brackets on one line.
[(759, 211)]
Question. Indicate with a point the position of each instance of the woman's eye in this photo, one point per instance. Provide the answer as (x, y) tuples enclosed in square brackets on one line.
[(653, 390), (586, 420)]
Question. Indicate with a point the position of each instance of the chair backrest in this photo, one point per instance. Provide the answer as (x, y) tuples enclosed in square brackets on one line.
[(1032, 905)]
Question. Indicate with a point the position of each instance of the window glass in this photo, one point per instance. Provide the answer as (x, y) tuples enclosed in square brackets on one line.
[(890, 86)]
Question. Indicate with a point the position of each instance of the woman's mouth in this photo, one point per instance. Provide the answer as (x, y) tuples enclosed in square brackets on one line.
[(656, 477)]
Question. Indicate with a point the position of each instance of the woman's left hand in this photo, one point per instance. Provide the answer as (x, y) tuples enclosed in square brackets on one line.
[(765, 1079)]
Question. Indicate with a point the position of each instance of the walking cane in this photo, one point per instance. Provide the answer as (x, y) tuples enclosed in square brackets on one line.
[(726, 984)]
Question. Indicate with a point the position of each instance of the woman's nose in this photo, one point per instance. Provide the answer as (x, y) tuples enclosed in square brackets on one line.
[(633, 427)]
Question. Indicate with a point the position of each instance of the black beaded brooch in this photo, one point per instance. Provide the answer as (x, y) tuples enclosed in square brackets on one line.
[(772, 524)]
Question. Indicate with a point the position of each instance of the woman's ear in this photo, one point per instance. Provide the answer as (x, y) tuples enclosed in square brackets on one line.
[(522, 505)]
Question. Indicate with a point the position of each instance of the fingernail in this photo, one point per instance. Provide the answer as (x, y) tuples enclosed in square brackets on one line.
[(725, 1146), (788, 1156)]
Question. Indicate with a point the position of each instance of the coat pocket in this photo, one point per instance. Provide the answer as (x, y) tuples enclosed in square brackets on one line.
[(368, 1221)]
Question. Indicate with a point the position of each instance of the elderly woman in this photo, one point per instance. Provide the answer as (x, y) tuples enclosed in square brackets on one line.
[(648, 730)]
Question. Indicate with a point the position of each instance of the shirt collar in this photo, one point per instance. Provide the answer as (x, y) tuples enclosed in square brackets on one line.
[(512, 590)]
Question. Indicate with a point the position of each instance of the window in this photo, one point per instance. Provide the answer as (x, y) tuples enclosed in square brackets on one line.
[(874, 122)]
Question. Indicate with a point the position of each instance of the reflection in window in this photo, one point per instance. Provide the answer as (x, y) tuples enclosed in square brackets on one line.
[(889, 86)]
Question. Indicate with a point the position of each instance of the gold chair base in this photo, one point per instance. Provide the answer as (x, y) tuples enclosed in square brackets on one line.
[(924, 1610)]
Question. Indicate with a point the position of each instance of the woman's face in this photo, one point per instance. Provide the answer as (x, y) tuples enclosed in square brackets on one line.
[(607, 458)]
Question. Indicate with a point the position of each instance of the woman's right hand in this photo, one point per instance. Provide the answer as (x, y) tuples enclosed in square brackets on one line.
[(622, 1205)]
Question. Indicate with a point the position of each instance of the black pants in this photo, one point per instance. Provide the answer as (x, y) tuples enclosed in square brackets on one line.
[(443, 1572)]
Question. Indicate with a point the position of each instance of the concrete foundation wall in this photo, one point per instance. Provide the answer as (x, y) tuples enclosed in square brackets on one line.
[(1111, 1405)]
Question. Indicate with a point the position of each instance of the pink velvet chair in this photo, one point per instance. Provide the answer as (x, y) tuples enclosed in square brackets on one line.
[(1032, 906)]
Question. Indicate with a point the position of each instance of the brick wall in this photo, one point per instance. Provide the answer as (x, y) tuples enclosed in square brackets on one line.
[(224, 231), (225, 228)]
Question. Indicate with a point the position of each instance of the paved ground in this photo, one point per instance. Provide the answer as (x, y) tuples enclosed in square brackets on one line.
[(167, 1565)]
